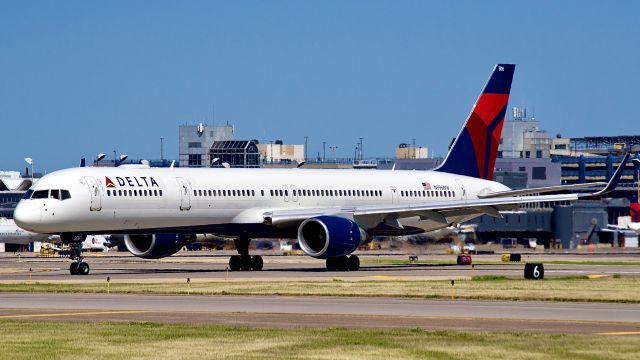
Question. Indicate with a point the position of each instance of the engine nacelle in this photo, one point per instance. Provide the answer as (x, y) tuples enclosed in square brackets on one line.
[(329, 236), (154, 246)]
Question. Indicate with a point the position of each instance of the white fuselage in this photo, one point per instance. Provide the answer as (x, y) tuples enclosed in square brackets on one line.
[(10, 233), (139, 200)]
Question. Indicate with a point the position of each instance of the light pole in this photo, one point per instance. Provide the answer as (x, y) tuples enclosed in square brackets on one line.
[(306, 145), (161, 150), (324, 143), (361, 152)]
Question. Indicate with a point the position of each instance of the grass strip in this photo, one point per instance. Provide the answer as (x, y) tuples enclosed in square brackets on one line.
[(30, 340), (618, 289)]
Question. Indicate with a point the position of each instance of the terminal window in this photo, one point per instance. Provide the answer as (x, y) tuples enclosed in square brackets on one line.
[(195, 160), (195, 145), (539, 173)]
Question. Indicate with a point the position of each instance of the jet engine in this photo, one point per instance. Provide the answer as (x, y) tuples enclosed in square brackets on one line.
[(326, 237), (154, 246)]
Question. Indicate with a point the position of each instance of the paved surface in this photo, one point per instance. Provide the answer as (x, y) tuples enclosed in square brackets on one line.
[(207, 265), (581, 318)]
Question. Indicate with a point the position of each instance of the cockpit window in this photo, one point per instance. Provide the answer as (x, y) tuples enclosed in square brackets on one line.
[(54, 194), (40, 194), (57, 194), (28, 194)]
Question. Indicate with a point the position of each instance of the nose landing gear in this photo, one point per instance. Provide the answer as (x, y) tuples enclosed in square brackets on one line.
[(78, 266)]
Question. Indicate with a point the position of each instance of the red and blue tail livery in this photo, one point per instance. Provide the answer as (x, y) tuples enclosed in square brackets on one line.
[(474, 151)]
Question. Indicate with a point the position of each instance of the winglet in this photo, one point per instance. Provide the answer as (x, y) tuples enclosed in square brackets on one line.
[(615, 179)]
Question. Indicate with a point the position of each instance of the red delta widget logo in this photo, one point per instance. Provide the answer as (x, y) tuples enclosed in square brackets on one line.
[(133, 181)]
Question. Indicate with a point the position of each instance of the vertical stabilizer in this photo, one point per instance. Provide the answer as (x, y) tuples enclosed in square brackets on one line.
[(474, 151)]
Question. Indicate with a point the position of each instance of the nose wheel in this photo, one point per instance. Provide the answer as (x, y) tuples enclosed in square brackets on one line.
[(79, 268)]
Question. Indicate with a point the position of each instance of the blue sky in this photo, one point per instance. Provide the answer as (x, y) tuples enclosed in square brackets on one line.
[(82, 77)]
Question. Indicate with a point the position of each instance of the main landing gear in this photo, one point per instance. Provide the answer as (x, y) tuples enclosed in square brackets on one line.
[(244, 261), (78, 266), (344, 263)]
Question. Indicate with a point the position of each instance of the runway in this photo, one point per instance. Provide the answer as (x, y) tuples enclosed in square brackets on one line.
[(274, 311)]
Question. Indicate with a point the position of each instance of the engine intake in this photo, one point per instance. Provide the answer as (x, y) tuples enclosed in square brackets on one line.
[(154, 246), (329, 236)]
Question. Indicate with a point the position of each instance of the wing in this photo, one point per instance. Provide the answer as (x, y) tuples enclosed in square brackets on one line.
[(437, 211), (610, 186)]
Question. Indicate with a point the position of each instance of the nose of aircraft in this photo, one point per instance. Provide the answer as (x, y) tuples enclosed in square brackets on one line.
[(27, 216)]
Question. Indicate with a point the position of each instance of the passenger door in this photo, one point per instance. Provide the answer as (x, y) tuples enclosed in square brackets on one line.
[(185, 194), (94, 190), (394, 195)]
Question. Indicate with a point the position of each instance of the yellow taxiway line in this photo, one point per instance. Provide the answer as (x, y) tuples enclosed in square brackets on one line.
[(76, 314)]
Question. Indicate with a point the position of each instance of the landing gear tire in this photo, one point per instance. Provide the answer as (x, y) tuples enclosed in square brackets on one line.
[(73, 268), (245, 262), (79, 268), (235, 263), (331, 264), (342, 263), (353, 263), (256, 263), (83, 268)]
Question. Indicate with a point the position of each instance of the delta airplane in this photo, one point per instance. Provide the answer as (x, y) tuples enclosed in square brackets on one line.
[(329, 212), (10, 233)]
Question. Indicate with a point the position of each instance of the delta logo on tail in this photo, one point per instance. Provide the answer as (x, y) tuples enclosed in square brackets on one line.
[(475, 150)]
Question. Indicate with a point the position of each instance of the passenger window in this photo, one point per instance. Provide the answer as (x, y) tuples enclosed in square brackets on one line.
[(120, 192), (108, 192), (160, 191), (130, 193), (261, 192), (155, 192), (195, 192)]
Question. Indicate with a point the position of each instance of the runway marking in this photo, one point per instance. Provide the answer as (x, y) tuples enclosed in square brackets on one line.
[(620, 333), (597, 276), (77, 314)]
